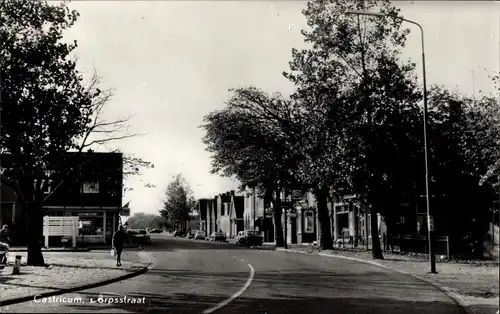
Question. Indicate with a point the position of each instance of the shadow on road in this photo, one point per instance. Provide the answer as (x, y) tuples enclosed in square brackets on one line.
[(301, 291), (191, 303)]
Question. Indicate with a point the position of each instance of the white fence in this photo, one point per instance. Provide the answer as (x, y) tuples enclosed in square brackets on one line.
[(60, 226)]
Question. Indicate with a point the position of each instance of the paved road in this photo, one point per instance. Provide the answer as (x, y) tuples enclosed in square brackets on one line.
[(194, 276)]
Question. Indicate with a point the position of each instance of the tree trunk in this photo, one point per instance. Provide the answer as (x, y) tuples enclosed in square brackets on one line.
[(376, 249), (35, 234), (278, 230), (326, 242)]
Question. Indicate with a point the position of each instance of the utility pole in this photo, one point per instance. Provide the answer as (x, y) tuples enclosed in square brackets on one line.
[(430, 220)]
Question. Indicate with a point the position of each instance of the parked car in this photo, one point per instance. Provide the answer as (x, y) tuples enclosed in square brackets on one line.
[(199, 235), (138, 236), (178, 233), (191, 234), (249, 238), (156, 231), (218, 236)]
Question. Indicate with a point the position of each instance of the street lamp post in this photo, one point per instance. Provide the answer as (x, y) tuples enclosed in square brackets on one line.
[(430, 222)]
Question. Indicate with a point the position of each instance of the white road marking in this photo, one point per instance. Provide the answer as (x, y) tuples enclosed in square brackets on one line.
[(110, 293), (234, 296)]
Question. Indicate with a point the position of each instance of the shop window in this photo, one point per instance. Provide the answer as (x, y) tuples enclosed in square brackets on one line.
[(91, 188), (91, 224), (309, 222)]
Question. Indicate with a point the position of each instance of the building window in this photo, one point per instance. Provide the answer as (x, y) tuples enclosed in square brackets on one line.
[(91, 224), (45, 185), (309, 222), (91, 188)]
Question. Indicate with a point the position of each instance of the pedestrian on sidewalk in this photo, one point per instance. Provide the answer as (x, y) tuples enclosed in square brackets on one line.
[(118, 242), (5, 234)]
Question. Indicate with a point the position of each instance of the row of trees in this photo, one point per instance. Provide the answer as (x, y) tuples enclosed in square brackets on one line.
[(354, 125), (179, 203), (47, 108), (143, 220)]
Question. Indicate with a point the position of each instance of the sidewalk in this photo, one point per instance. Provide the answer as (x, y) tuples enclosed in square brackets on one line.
[(66, 270), (86, 248), (473, 283)]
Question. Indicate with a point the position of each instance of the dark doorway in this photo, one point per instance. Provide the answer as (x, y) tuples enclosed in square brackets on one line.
[(293, 227), (6, 214)]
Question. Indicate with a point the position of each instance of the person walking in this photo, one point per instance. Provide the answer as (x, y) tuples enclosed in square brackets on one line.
[(118, 242)]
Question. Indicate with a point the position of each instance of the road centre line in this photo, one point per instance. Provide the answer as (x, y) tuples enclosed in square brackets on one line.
[(234, 296)]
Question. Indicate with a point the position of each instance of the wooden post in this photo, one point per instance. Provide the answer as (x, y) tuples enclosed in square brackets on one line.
[(17, 265)]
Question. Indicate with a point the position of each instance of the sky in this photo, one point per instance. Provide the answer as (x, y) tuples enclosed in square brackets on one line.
[(172, 62)]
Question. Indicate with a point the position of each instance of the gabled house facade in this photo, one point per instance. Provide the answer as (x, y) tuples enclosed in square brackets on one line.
[(223, 203), (236, 209), (203, 213), (91, 190), (212, 216), (253, 213)]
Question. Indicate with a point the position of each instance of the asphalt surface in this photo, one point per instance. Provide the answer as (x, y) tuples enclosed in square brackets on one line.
[(195, 276)]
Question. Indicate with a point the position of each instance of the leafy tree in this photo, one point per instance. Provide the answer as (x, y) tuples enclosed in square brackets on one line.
[(465, 133), (142, 220), (179, 202), (488, 123), (255, 139), (47, 109), (353, 75), (43, 100)]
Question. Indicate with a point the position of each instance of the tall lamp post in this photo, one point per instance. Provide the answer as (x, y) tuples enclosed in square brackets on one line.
[(430, 221)]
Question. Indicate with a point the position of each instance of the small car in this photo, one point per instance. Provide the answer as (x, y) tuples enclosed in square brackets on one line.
[(156, 231), (178, 233), (249, 238), (139, 235), (218, 237), (199, 235), (191, 234)]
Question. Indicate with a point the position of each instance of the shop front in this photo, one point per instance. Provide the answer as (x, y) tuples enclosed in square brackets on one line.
[(95, 224)]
